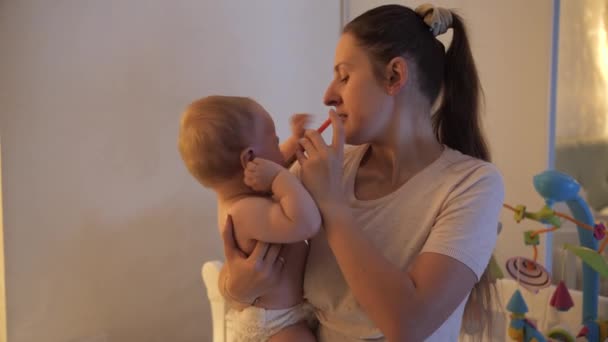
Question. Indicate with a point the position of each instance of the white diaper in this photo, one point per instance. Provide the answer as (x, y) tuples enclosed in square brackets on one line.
[(257, 324)]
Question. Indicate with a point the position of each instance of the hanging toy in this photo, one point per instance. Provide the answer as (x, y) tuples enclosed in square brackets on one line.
[(545, 215), (530, 274), (561, 299)]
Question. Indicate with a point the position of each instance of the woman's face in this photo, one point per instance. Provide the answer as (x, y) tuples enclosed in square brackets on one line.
[(357, 95)]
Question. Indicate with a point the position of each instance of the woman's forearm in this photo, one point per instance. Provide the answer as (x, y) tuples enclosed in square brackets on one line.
[(386, 293)]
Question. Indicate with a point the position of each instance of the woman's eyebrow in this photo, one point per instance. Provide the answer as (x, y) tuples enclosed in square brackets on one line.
[(341, 64)]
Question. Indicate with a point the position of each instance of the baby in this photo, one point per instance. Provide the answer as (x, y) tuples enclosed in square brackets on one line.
[(229, 144)]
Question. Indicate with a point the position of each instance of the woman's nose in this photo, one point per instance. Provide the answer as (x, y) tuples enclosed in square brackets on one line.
[(331, 98)]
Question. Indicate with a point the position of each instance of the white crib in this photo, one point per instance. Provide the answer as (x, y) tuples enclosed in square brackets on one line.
[(538, 304), (210, 273)]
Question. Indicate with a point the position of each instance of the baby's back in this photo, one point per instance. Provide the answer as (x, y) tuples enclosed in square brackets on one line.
[(288, 290)]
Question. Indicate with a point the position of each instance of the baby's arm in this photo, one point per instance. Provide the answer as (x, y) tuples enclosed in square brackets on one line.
[(290, 216), (298, 127), (288, 147)]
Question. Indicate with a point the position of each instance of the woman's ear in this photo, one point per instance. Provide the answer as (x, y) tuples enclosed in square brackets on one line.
[(247, 155), (396, 75)]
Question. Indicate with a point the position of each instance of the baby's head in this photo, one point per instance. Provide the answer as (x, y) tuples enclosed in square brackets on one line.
[(218, 135)]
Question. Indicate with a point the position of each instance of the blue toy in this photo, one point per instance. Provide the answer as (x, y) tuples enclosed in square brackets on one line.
[(555, 187)]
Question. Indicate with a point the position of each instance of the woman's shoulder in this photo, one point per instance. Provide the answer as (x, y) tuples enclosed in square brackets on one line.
[(458, 162), (465, 170)]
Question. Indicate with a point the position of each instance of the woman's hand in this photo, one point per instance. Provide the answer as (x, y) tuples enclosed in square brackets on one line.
[(322, 166), (249, 277)]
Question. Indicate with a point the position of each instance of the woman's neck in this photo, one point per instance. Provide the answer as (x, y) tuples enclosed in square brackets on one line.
[(409, 146)]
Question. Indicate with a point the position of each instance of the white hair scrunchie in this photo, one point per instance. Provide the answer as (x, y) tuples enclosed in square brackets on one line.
[(438, 19)]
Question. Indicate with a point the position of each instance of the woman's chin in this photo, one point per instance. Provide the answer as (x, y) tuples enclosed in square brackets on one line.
[(354, 136), (352, 139)]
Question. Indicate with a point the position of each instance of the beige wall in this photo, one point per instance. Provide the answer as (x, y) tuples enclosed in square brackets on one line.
[(105, 232), (2, 281), (511, 42)]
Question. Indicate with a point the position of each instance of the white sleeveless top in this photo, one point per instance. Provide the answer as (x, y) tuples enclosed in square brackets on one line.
[(451, 207)]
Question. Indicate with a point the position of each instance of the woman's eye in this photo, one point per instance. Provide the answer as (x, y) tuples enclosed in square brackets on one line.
[(344, 79)]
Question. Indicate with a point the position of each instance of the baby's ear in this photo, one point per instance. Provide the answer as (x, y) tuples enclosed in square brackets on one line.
[(247, 155)]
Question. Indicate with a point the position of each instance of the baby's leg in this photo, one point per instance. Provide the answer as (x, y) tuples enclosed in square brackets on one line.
[(298, 332)]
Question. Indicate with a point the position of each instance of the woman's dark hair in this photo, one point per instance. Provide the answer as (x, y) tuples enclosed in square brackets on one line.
[(391, 31)]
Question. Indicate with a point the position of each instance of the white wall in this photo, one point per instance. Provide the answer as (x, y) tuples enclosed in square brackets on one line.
[(105, 231), (2, 278), (511, 42)]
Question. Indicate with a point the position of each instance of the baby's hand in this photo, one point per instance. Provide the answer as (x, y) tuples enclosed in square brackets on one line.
[(299, 122), (260, 173)]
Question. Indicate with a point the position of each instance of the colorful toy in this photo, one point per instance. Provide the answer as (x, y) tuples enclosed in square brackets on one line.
[(522, 329), (561, 299), (602, 330), (556, 187), (560, 334), (528, 273)]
